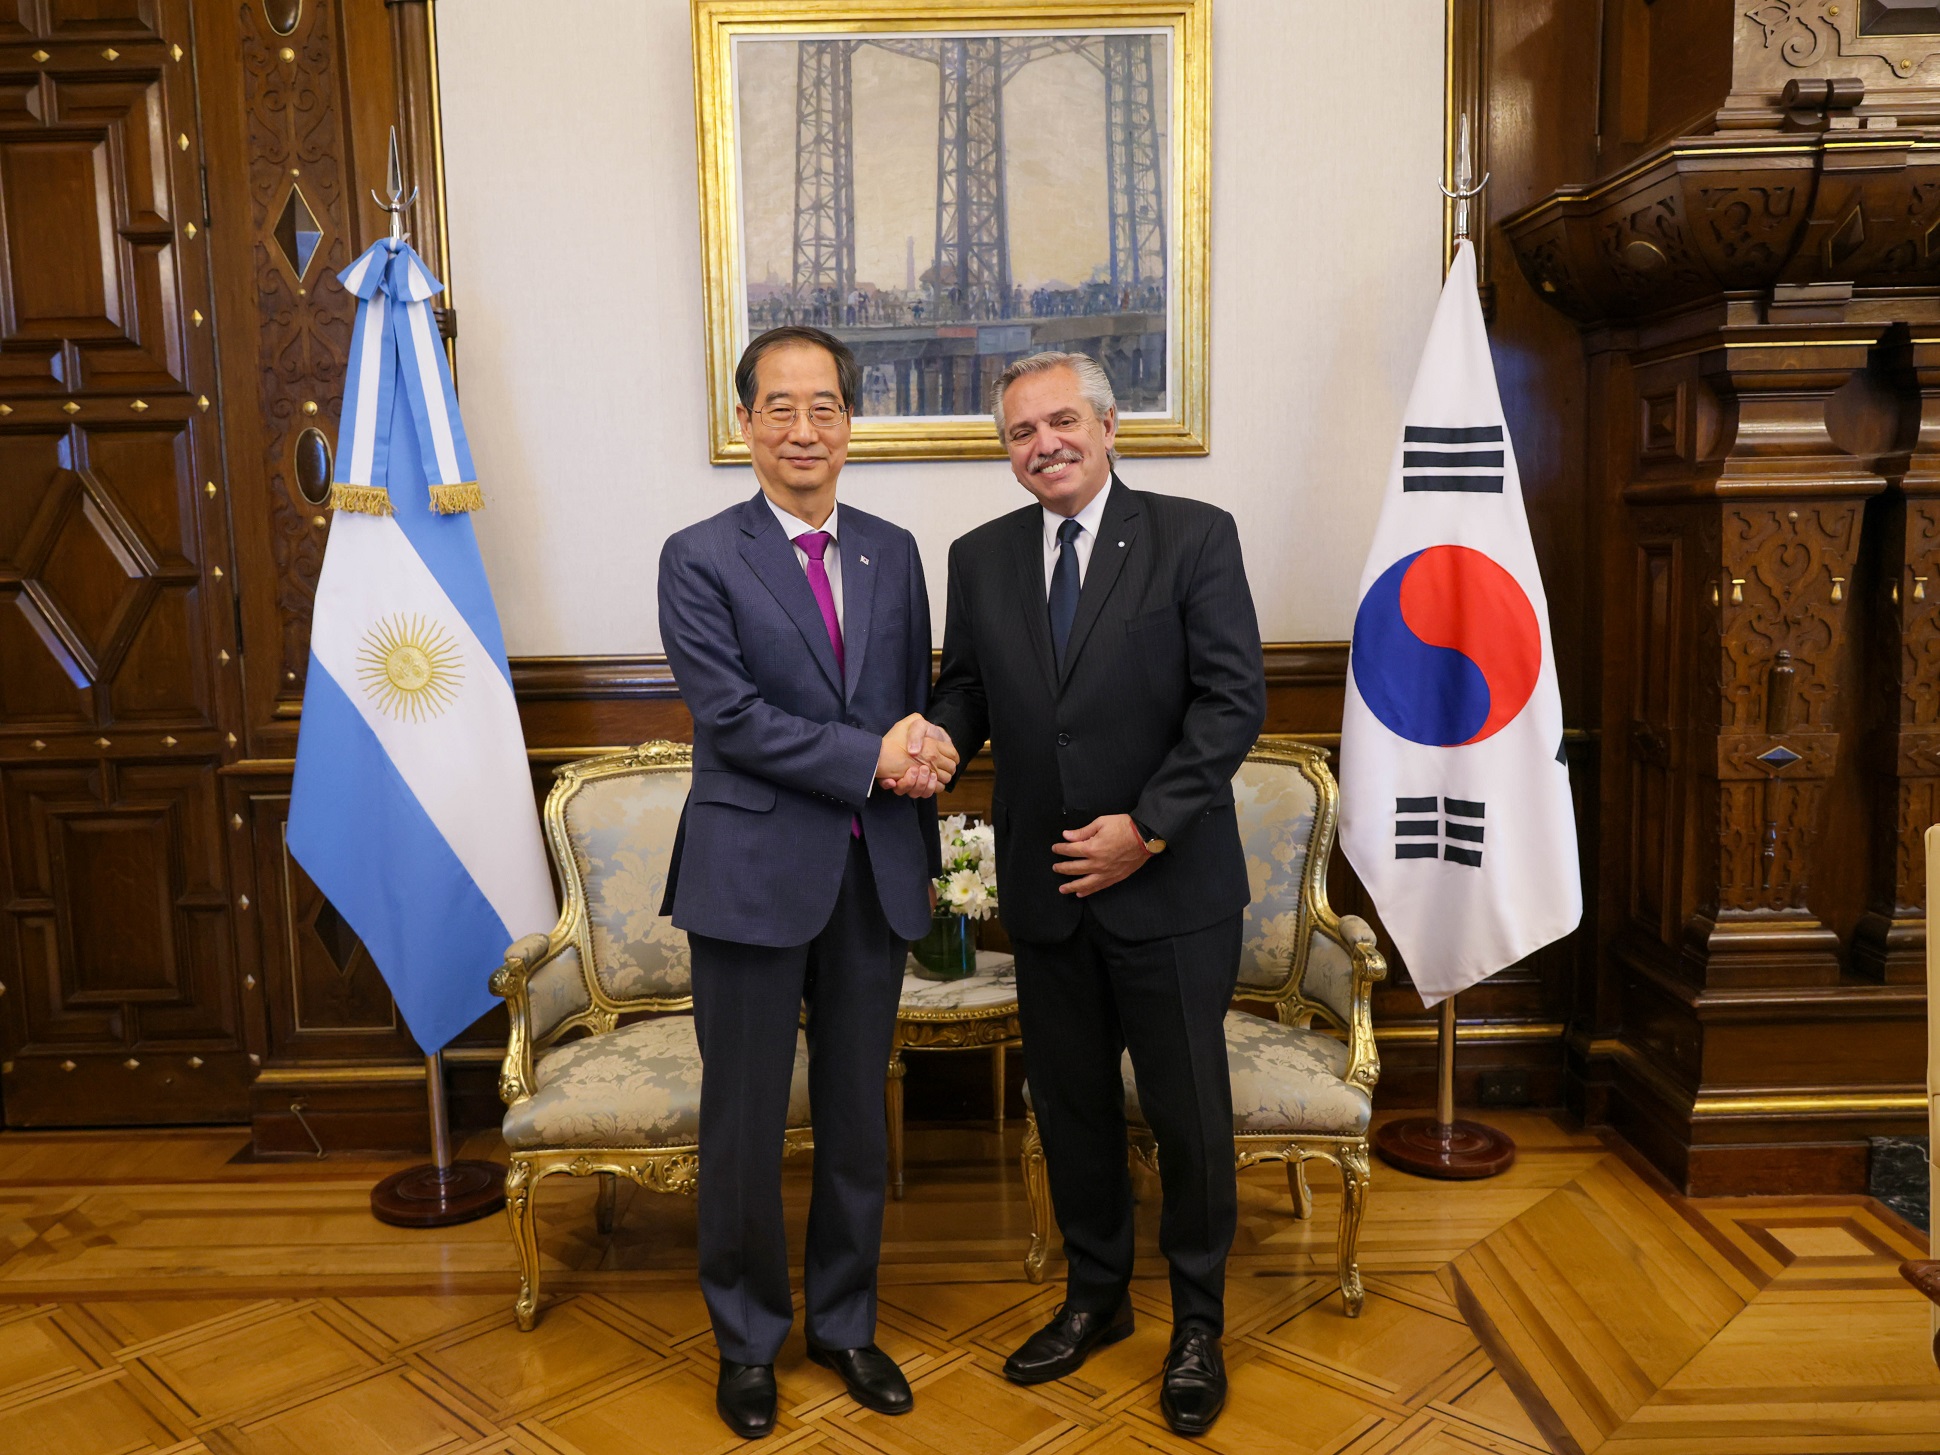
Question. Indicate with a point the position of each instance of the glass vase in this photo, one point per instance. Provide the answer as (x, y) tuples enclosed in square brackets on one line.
[(949, 950)]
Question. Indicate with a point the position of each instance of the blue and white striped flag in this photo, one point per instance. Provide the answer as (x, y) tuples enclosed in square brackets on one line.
[(412, 807)]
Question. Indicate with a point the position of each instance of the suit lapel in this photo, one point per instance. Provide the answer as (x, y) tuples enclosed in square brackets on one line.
[(1117, 533), (1027, 554), (768, 552), (861, 552)]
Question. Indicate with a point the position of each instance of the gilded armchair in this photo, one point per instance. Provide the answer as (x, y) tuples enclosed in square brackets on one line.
[(585, 1095), (1299, 1094)]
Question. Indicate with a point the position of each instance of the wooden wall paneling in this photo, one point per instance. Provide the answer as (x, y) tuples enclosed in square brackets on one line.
[(117, 654), (308, 97), (1902, 758), (1523, 53), (1743, 305)]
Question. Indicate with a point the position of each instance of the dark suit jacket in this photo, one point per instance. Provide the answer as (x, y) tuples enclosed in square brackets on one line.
[(1163, 693), (784, 748)]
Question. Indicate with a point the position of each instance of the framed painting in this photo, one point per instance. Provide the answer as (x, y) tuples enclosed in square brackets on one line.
[(949, 187)]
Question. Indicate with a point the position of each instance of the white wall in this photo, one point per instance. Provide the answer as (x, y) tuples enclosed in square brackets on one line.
[(575, 239)]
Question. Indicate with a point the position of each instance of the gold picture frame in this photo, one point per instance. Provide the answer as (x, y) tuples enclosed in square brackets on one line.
[(931, 346)]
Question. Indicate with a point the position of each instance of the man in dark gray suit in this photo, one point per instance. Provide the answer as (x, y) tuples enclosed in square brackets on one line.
[(800, 637), (1103, 641)]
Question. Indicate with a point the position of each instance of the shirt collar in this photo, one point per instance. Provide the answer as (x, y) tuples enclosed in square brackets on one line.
[(1087, 518), (794, 526)]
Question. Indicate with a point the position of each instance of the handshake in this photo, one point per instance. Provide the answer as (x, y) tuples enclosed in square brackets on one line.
[(916, 759)]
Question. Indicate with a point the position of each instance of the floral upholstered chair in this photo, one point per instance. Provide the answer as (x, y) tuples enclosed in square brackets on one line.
[(584, 1094), (1299, 1094)]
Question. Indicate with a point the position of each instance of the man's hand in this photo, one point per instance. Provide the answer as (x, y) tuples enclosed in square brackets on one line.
[(1100, 854), (917, 758)]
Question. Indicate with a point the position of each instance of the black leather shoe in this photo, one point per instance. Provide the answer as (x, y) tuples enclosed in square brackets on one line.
[(1193, 1391), (745, 1397), (1060, 1347), (873, 1379)]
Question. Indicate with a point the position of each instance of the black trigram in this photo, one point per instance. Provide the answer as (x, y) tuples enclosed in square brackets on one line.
[(1449, 829), (1433, 458)]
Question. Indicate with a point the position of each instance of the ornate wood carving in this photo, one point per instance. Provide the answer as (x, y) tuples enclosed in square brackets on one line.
[(1739, 291), (1903, 661), (1710, 215), (1782, 613), (298, 144)]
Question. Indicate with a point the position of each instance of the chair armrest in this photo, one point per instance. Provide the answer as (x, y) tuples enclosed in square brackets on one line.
[(1356, 936), (509, 981)]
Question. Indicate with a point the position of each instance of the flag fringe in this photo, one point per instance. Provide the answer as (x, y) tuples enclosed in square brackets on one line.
[(361, 499), (457, 499)]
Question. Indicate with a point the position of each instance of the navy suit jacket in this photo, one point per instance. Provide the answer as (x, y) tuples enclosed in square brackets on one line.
[(785, 746)]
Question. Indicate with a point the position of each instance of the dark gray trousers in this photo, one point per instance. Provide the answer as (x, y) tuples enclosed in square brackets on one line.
[(1082, 1003), (747, 1003)]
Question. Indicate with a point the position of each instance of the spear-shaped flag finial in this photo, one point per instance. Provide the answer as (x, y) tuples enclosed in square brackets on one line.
[(1464, 177), (394, 184)]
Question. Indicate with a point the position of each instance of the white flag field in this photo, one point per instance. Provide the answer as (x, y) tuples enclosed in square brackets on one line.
[(1455, 797)]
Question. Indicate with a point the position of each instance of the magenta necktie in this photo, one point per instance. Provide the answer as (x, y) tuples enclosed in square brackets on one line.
[(815, 544)]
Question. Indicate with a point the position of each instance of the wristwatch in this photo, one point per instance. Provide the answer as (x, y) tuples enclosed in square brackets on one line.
[(1153, 843)]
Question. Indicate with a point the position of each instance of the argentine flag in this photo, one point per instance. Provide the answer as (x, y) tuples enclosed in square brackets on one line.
[(1455, 798), (412, 807)]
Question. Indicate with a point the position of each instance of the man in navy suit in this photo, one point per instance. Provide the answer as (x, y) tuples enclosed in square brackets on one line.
[(800, 637)]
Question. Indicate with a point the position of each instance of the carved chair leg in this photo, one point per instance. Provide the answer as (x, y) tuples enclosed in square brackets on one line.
[(893, 1101), (1355, 1179), (1037, 1191), (1303, 1196), (603, 1208), (521, 1211)]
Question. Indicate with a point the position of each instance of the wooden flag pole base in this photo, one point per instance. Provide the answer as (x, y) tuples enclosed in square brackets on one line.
[(1442, 1146), (443, 1192)]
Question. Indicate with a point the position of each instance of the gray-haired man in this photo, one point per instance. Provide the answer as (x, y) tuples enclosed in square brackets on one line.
[(1103, 641)]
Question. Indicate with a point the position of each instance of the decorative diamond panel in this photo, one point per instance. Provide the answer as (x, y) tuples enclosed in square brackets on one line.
[(298, 233), (91, 576), (1779, 757)]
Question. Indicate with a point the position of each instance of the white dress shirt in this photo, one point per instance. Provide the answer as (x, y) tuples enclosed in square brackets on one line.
[(1088, 519), (831, 556)]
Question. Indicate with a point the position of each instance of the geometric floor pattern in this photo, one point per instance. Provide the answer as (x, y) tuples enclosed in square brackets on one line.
[(160, 1293)]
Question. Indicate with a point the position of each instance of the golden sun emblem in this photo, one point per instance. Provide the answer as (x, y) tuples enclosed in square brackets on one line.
[(411, 668)]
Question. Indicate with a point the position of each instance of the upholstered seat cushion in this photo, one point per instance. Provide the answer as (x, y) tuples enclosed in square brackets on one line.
[(1285, 1079), (638, 1086)]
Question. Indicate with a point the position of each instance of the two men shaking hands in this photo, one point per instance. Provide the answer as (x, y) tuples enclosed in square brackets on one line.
[(1094, 857), (1102, 641)]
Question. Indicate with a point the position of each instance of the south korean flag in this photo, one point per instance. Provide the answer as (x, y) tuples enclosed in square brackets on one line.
[(1455, 798)]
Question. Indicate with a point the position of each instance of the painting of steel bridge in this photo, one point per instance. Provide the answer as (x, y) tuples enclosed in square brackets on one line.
[(933, 346)]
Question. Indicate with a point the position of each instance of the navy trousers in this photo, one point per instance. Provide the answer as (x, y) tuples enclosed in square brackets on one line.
[(1082, 1003), (747, 1004)]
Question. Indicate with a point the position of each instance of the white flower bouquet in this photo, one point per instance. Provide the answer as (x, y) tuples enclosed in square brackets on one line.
[(968, 883), (966, 890)]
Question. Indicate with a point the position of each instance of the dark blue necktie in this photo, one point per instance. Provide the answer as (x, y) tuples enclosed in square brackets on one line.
[(1064, 588)]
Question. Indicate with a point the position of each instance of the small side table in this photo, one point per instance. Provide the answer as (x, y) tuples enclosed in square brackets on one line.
[(978, 1012)]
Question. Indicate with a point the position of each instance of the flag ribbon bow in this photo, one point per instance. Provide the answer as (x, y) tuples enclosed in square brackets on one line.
[(395, 345)]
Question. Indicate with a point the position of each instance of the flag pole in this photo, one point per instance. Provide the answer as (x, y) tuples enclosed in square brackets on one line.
[(443, 1192), (1444, 1147)]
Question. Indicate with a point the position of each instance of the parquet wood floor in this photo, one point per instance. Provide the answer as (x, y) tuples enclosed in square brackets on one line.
[(162, 1295)]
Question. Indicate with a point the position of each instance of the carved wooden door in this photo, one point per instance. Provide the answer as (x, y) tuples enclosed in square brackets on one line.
[(122, 1000)]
